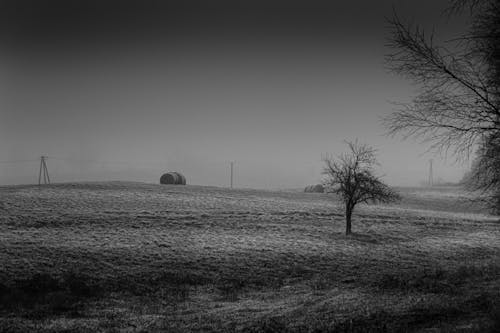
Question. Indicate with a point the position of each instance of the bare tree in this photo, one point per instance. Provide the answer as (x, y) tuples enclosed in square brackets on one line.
[(484, 176), (458, 103), (458, 106), (352, 177)]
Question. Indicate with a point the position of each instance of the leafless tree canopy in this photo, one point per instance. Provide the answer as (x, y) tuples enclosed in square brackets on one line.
[(484, 176), (352, 177), (459, 5), (457, 104)]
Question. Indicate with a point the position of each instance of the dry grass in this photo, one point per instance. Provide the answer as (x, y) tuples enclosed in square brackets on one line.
[(138, 257)]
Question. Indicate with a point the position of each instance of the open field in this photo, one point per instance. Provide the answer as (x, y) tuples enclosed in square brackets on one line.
[(133, 257)]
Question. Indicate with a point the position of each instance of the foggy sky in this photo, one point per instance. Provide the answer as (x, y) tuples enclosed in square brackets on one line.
[(114, 90)]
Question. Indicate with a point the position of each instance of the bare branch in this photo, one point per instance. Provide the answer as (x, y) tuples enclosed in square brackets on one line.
[(456, 105)]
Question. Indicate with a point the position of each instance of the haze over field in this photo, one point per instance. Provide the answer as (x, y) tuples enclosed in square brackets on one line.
[(129, 91)]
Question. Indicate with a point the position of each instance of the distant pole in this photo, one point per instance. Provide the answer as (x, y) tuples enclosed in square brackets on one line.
[(46, 171), (43, 170), (40, 172), (431, 176), (232, 167)]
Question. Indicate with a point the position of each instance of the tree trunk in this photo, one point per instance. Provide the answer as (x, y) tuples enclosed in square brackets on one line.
[(348, 214)]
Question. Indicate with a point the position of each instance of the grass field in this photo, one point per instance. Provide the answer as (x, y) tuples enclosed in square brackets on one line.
[(133, 257)]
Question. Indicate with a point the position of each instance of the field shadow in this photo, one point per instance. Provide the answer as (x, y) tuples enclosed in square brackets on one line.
[(364, 237), (43, 295)]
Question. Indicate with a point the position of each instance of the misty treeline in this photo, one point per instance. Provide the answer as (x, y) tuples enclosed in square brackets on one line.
[(457, 109)]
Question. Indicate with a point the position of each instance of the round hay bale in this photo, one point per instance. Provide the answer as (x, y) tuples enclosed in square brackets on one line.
[(169, 178), (181, 180), (173, 178), (318, 188)]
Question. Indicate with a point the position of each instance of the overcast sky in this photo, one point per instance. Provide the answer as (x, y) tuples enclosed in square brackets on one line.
[(114, 90)]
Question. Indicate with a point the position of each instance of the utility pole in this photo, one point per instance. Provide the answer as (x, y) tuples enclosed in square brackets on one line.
[(431, 176), (232, 166), (43, 171)]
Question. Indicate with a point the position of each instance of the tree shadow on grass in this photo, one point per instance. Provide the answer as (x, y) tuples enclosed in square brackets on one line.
[(358, 237), (370, 237)]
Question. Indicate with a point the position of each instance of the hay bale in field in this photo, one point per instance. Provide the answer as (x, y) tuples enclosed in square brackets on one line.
[(173, 178), (181, 178), (318, 188), (168, 178)]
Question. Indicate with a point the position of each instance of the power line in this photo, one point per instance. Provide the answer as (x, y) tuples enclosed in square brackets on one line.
[(17, 161), (43, 173), (142, 164), (75, 160), (44, 177)]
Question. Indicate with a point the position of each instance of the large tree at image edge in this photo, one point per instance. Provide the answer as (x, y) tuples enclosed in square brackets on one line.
[(351, 176), (457, 109)]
